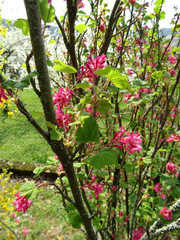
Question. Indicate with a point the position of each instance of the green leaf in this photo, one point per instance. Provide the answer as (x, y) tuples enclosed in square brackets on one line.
[(24, 82), (62, 67), (88, 132), (104, 158), (81, 28), (82, 85), (23, 25), (47, 12), (140, 83), (128, 167), (50, 125), (52, 160), (54, 135), (157, 75), (147, 160), (38, 170), (114, 76), (176, 192), (103, 106), (28, 189)]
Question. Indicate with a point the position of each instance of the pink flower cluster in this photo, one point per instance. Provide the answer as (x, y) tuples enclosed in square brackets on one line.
[(21, 204), (172, 59), (171, 168), (80, 4), (166, 214), (157, 187), (131, 141), (92, 65), (94, 186), (62, 97), (141, 91), (137, 234), (61, 100), (2, 94), (173, 137)]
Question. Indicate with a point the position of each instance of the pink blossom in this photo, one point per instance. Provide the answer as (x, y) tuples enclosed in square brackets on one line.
[(166, 214), (137, 234), (80, 4), (172, 71), (126, 97), (132, 142), (25, 233), (173, 137), (49, 1), (114, 188), (21, 204), (138, 41), (2, 94), (62, 97), (172, 59), (94, 186), (13, 214), (171, 168), (157, 187), (92, 65), (63, 119)]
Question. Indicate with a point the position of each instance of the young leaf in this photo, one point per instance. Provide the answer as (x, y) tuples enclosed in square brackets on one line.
[(38, 170), (23, 25), (28, 190), (74, 219), (104, 158), (81, 28), (114, 76), (103, 106), (88, 132), (157, 75), (47, 11), (62, 67)]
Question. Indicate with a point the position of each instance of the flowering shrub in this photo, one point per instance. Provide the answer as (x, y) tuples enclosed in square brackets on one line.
[(112, 121)]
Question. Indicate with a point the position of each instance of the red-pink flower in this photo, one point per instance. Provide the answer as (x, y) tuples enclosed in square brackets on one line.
[(157, 187), (2, 94), (172, 71), (63, 119), (21, 204), (92, 65), (102, 27), (132, 1), (171, 168), (132, 142), (172, 60), (126, 97), (80, 4), (173, 137), (25, 232), (166, 214), (62, 97), (49, 1), (137, 234)]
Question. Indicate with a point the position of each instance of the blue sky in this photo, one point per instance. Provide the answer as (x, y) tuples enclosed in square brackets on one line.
[(13, 9)]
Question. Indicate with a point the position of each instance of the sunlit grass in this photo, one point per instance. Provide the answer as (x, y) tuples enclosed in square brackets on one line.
[(19, 140)]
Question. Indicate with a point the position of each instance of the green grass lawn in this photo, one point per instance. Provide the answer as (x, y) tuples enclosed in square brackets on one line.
[(19, 140)]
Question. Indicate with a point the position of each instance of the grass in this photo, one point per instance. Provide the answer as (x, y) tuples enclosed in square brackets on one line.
[(19, 140)]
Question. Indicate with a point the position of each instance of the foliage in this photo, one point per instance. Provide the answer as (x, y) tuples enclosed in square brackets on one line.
[(114, 124)]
